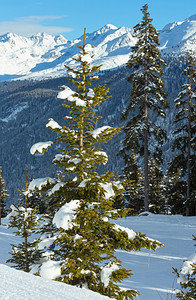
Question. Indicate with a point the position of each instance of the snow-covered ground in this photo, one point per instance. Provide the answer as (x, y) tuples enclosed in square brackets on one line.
[(18, 285), (152, 271)]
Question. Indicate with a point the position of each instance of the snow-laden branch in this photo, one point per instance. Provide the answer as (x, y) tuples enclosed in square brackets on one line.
[(99, 130), (104, 155), (86, 58), (107, 271), (64, 216), (109, 192), (38, 183), (46, 242), (40, 147), (65, 93), (56, 188), (15, 211), (53, 124), (60, 157), (130, 232), (88, 48), (91, 93)]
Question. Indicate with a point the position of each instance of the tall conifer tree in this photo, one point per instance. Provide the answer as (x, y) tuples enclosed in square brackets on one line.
[(185, 137), (87, 239), (147, 98), (24, 255)]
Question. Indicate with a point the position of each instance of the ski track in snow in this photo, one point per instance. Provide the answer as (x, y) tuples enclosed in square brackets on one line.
[(152, 255)]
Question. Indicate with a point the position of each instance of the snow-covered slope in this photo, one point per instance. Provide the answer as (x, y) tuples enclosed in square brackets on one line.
[(152, 271), (18, 285), (44, 56), (179, 37), (20, 55)]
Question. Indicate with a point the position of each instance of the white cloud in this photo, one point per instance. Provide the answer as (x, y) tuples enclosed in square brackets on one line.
[(27, 26)]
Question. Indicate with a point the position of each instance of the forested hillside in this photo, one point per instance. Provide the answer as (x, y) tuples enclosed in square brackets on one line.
[(26, 107)]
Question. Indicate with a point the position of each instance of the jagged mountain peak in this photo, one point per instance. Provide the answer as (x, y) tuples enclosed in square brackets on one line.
[(181, 24), (41, 35), (105, 29), (170, 26), (60, 39), (43, 55), (179, 36), (9, 36)]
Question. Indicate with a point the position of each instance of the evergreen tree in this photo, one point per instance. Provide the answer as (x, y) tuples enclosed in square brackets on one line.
[(38, 197), (87, 239), (37, 200), (187, 279), (156, 188), (147, 99), (133, 183), (185, 136), (175, 190), (3, 196), (25, 254)]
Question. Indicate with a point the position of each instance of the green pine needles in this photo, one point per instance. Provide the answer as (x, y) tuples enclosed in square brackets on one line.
[(86, 236)]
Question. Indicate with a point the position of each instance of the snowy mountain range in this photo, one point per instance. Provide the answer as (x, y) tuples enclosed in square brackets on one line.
[(44, 56)]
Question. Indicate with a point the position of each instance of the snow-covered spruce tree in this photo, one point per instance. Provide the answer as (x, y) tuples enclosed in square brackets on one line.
[(87, 240), (147, 99), (25, 220), (187, 278), (185, 137), (3, 196)]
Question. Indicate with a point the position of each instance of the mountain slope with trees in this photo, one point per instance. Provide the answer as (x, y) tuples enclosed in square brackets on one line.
[(27, 105)]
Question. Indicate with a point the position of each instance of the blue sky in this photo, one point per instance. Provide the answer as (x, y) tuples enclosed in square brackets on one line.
[(27, 17)]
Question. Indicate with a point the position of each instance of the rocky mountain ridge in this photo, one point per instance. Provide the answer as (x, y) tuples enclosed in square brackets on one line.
[(43, 56)]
